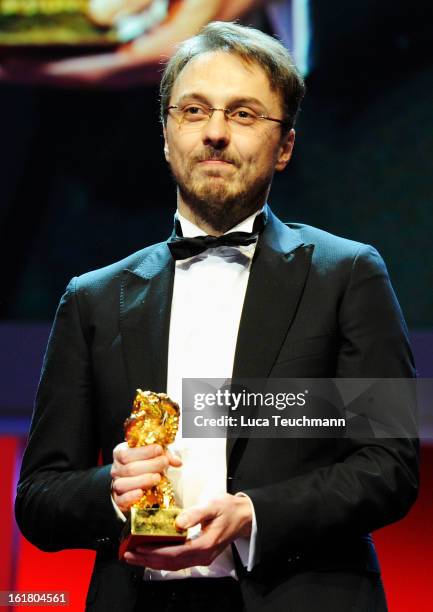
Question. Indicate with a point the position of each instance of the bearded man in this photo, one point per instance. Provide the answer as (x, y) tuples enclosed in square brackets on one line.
[(233, 293)]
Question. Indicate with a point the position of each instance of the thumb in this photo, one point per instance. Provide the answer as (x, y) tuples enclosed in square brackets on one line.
[(173, 459), (195, 515)]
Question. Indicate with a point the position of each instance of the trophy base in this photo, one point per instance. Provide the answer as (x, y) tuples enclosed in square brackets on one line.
[(151, 526)]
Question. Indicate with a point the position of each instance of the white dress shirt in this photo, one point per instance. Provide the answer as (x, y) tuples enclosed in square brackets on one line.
[(208, 296)]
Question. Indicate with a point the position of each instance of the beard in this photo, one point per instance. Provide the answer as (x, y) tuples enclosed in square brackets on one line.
[(217, 201)]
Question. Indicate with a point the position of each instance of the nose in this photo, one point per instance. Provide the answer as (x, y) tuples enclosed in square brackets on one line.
[(216, 132)]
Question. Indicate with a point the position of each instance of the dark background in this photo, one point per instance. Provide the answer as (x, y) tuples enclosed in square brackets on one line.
[(83, 181)]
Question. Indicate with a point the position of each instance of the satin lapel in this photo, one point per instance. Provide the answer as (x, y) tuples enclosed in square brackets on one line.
[(145, 307), (277, 279)]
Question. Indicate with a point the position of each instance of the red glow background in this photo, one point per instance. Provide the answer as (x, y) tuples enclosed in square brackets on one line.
[(405, 549)]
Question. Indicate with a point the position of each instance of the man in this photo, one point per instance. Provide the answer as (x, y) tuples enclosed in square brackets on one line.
[(284, 522)]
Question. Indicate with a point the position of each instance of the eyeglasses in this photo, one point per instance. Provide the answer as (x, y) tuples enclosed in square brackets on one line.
[(197, 115)]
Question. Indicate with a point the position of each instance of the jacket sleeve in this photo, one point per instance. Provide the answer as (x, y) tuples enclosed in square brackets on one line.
[(374, 482), (63, 498)]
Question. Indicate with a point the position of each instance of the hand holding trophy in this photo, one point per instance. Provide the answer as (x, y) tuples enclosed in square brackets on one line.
[(154, 420)]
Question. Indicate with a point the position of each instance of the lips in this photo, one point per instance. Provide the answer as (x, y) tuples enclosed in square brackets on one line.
[(211, 155), (214, 161)]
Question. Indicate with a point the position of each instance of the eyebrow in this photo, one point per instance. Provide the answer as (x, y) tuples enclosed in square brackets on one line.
[(235, 102)]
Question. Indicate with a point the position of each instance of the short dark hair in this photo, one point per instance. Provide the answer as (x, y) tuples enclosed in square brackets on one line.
[(252, 46)]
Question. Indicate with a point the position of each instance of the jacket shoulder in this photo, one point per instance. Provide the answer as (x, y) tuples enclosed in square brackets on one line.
[(326, 241), (102, 279), (334, 253)]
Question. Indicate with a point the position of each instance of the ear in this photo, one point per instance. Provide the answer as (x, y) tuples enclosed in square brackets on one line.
[(285, 150), (166, 150)]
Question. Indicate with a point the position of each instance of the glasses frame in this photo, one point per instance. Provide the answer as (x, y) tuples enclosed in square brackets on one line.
[(227, 111)]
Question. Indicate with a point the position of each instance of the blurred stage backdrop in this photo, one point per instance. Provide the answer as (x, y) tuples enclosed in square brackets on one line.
[(83, 182)]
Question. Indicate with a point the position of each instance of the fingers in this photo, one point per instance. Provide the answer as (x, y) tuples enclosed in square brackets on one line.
[(224, 520), (125, 501), (187, 21), (106, 12), (132, 64), (135, 468), (129, 462), (142, 481), (156, 466), (174, 460), (201, 551), (195, 515), (138, 469), (124, 454)]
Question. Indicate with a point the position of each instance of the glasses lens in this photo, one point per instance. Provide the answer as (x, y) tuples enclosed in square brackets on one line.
[(194, 113), (243, 116)]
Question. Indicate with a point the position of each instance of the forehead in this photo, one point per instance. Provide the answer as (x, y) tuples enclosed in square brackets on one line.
[(220, 76)]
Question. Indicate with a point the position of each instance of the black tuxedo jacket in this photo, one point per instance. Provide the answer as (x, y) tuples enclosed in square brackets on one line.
[(316, 306)]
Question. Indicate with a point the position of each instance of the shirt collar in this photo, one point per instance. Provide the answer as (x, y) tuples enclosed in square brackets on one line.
[(189, 230)]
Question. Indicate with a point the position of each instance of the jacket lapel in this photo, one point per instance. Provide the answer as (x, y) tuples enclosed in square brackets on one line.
[(277, 279), (145, 306)]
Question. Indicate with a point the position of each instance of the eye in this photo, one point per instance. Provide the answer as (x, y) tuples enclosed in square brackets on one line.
[(245, 116), (194, 112)]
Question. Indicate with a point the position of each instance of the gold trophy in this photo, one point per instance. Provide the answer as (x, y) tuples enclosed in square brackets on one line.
[(154, 420)]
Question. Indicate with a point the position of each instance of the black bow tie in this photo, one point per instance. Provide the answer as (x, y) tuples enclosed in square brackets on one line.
[(182, 248)]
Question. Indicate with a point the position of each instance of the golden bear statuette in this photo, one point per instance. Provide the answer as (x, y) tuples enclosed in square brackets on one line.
[(154, 420)]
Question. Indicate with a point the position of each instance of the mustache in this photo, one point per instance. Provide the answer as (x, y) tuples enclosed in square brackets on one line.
[(215, 155)]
